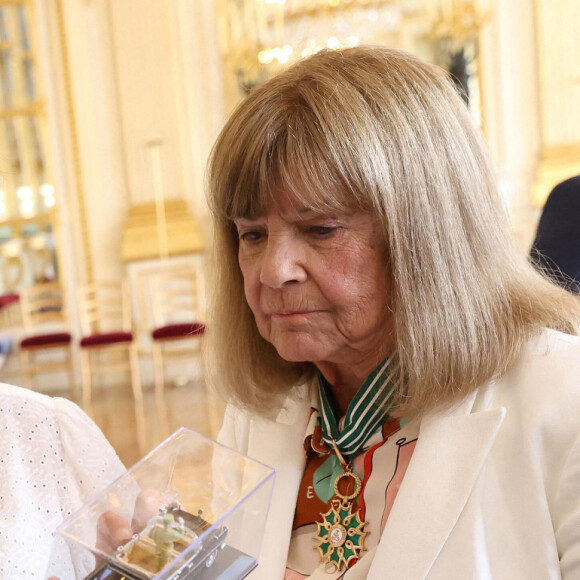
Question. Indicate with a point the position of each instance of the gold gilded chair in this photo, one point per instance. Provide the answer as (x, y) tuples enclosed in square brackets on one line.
[(177, 309), (47, 344), (107, 343)]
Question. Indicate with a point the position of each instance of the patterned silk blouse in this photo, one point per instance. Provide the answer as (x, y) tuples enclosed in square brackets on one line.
[(381, 465)]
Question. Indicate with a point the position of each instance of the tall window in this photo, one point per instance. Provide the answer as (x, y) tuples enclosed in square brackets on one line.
[(27, 196)]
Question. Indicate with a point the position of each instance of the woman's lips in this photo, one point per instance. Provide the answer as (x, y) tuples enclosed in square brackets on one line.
[(293, 313)]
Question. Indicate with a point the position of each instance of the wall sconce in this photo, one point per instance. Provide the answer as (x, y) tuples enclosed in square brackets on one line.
[(47, 193), (26, 197)]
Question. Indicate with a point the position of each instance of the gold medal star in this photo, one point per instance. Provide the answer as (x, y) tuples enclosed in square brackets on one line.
[(340, 536)]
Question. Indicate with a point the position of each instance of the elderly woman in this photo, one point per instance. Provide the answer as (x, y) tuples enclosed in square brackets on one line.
[(384, 345)]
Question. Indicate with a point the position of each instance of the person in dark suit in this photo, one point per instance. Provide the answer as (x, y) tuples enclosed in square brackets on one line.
[(556, 249)]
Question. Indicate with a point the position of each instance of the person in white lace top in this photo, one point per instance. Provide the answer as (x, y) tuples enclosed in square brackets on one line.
[(53, 458)]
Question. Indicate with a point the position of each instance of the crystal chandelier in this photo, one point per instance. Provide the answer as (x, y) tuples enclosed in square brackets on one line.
[(459, 20), (260, 37)]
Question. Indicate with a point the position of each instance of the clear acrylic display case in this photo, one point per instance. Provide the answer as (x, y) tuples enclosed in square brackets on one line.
[(197, 510)]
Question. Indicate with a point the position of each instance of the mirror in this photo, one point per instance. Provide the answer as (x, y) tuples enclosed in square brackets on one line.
[(27, 197)]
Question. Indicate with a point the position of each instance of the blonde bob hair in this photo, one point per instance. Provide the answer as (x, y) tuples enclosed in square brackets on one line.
[(377, 130)]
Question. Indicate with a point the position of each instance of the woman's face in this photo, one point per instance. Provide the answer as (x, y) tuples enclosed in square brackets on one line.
[(317, 285)]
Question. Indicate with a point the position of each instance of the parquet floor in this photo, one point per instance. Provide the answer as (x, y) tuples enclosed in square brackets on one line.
[(134, 431)]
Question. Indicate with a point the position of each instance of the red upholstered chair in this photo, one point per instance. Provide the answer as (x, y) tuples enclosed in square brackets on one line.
[(177, 305), (107, 344), (8, 299), (47, 344), (10, 314)]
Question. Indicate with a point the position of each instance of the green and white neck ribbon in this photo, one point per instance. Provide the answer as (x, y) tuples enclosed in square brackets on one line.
[(366, 412)]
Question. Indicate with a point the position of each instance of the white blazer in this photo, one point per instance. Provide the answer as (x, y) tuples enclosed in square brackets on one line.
[(492, 490)]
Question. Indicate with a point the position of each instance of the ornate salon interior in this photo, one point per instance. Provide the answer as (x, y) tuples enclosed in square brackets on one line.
[(109, 109)]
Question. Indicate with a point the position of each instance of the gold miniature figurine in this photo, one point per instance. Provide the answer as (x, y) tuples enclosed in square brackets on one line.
[(164, 534)]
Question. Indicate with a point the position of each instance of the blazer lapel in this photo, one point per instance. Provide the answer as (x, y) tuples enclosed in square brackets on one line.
[(279, 444), (450, 452)]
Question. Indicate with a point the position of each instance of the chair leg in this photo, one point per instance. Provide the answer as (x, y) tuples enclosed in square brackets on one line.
[(86, 377), (71, 374), (135, 374), (26, 367), (140, 425), (158, 369)]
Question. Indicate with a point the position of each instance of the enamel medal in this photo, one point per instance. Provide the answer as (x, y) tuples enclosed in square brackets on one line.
[(341, 534)]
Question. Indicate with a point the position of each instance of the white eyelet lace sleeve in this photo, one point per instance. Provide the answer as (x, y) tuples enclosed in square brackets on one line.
[(53, 458)]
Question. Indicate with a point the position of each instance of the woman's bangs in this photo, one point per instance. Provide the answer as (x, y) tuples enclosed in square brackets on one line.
[(292, 155), (300, 172), (246, 192), (302, 169)]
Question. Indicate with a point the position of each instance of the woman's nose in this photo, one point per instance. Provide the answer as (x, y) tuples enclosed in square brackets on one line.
[(281, 264)]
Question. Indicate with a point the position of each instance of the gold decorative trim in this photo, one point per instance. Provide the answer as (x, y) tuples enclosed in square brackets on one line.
[(557, 163), (36, 108), (76, 154), (126, 190), (48, 218), (143, 238), (561, 153), (15, 3)]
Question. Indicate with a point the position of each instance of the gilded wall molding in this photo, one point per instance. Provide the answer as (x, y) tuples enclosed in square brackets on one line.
[(76, 153), (558, 43), (556, 164), (112, 40)]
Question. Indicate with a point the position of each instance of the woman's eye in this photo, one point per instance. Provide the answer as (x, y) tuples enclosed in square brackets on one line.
[(250, 236), (322, 231)]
